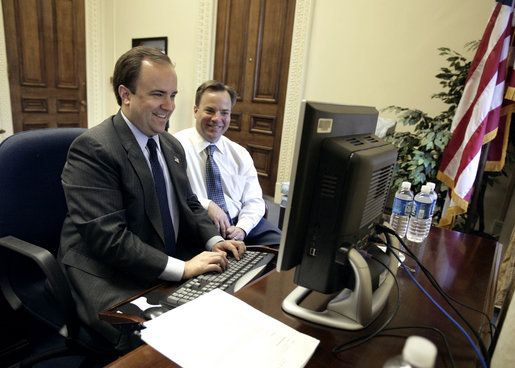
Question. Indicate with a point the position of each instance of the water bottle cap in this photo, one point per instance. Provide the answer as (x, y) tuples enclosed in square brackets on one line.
[(419, 352), (425, 189), (431, 185), (406, 185)]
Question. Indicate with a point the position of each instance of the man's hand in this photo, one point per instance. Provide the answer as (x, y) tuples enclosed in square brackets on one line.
[(205, 262), (237, 248), (235, 233), (216, 260), (219, 218)]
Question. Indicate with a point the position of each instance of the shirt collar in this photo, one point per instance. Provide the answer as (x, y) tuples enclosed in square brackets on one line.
[(200, 143), (141, 137)]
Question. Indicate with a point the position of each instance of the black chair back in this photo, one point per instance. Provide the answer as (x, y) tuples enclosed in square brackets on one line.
[(32, 203), (32, 211)]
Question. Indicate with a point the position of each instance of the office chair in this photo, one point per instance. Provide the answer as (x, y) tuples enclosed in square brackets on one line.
[(32, 211)]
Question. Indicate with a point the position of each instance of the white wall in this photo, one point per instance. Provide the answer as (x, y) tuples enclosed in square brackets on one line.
[(384, 52)]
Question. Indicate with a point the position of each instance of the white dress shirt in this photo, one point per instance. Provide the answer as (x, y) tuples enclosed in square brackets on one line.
[(240, 183)]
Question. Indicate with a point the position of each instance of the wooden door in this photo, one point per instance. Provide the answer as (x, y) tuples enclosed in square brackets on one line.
[(45, 42), (253, 41)]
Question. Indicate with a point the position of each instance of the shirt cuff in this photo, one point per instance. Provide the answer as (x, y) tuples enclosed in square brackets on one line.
[(204, 202), (174, 270), (245, 224), (211, 242)]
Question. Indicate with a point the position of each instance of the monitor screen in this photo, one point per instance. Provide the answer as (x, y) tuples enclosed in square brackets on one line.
[(340, 181)]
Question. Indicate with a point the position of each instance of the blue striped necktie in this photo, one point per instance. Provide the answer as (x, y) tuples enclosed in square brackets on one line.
[(214, 182), (159, 182)]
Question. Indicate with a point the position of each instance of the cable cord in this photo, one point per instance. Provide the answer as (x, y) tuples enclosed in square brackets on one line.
[(478, 353), (363, 339), (446, 297), (437, 286)]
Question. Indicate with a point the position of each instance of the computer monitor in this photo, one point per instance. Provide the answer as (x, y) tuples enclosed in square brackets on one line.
[(340, 181)]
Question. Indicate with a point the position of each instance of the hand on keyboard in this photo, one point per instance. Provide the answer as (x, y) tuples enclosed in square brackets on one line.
[(237, 248), (205, 262), (216, 260), (238, 274)]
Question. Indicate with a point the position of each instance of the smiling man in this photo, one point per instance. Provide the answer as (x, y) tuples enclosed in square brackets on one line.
[(132, 217), (222, 173)]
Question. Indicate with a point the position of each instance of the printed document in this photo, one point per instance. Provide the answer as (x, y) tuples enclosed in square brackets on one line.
[(220, 330)]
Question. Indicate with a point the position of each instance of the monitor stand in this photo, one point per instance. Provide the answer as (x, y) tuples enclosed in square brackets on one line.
[(350, 309)]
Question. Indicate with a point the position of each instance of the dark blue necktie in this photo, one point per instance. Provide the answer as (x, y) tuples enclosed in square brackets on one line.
[(159, 182), (214, 182)]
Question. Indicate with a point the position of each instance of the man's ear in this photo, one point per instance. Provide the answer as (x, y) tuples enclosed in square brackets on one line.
[(124, 93)]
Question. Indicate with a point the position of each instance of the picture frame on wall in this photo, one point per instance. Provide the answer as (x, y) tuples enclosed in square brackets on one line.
[(160, 43)]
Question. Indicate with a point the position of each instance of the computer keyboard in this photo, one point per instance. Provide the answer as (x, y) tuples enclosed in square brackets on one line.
[(238, 273)]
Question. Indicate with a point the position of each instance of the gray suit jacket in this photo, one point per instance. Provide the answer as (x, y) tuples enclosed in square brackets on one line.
[(112, 244)]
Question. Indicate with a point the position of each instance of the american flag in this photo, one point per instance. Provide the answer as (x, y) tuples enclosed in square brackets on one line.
[(483, 114)]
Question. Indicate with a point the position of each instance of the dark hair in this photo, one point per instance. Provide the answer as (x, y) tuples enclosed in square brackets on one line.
[(127, 68), (214, 85)]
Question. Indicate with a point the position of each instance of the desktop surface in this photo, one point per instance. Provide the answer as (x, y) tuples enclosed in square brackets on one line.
[(465, 266)]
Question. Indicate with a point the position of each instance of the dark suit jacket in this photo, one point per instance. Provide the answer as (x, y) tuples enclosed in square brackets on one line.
[(112, 244)]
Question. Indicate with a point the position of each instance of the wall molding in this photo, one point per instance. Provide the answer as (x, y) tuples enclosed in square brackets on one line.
[(6, 118), (295, 91), (95, 68), (206, 34)]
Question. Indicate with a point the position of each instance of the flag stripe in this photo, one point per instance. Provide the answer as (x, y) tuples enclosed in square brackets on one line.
[(479, 112), (482, 50), (477, 92)]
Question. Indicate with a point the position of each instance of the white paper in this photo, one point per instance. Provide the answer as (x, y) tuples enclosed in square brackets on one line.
[(142, 303), (220, 330)]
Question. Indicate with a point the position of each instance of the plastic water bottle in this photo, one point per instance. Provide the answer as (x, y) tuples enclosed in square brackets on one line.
[(420, 220), (418, 352), (433, 194), (401, 209), (434, 197)]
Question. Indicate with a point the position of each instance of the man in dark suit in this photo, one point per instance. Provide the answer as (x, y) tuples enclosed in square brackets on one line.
[(118, 238)]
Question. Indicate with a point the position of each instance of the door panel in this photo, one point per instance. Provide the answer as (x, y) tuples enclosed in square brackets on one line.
[(253, 41), (271, 31), (46, 63)]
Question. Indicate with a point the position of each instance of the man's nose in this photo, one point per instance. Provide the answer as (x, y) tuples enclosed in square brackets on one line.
[(168, 103), (216, 116)]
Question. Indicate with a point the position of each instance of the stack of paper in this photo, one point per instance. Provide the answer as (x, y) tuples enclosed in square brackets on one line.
[(219, 330)]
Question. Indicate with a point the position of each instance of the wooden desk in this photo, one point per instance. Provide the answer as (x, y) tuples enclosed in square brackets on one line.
[(465, 267)]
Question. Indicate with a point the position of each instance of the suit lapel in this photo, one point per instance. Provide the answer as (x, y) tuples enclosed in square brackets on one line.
[(140, 166), (173, 162)]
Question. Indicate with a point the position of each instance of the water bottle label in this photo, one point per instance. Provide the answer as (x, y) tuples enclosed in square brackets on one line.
[(422, 210), (401, 207)]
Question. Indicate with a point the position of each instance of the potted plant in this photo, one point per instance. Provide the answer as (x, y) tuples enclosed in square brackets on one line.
[(421, 148)]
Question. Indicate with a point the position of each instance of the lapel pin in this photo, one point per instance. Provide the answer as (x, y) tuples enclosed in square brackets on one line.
[(176, 159)]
